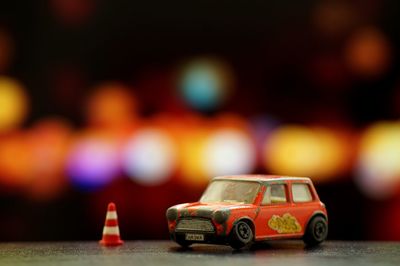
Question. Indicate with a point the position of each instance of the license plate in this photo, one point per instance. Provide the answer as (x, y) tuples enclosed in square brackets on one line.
[(194, 237)]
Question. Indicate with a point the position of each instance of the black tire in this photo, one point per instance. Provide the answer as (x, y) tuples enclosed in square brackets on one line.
[(184, 243), (317, 231), (241, 235)]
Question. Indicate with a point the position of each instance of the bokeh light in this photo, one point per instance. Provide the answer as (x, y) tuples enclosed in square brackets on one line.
[(50, 139), (150, 157), (93, 161), (13, 103), (298, 150), (192, 139), (205, 83), (368, 53), (111, 106), (16, 160), (108, 100), (378, 167), (229, 152)]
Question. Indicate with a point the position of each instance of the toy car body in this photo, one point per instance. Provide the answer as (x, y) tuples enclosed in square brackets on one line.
[(238, 210)]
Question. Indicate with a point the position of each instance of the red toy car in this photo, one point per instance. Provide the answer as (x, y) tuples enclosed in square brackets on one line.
[(238, 210)]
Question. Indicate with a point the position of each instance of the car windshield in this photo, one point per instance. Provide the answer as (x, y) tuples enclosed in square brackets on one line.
[(231, 191)]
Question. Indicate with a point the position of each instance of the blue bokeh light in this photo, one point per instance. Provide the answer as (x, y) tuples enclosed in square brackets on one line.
[(203, 85)]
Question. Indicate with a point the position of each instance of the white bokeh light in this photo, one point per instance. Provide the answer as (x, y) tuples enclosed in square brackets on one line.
[(229, 152), (378, 168), (150, 157)]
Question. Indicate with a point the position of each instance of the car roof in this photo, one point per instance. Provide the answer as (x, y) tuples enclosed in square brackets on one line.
[(261, 178)]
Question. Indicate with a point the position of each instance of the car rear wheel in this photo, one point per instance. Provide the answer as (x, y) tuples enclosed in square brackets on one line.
[(317, 231), (241, 235)]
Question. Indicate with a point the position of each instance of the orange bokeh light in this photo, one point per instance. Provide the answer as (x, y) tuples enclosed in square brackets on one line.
[(368, 53), (49, 141), (111, 106), (16, 160)]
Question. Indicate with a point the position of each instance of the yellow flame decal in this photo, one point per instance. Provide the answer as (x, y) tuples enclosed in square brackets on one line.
[(285, 224)]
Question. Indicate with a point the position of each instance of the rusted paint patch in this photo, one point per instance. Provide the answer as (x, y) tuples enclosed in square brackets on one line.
[(257, 211), (204, 212), (184, 213)]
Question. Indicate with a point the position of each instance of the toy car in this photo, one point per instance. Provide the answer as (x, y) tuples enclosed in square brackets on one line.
[(239, 210)]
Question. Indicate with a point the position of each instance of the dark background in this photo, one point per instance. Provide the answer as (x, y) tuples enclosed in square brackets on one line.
[(314, 64)]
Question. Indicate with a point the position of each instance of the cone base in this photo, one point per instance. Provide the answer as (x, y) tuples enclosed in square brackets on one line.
[(111, 243)]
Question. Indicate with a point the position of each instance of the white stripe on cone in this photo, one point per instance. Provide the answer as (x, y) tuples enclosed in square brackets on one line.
[(111, 230), (111, 215)]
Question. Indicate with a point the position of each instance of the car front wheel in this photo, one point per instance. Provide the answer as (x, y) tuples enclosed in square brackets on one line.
[(242, 235), (317, 231)]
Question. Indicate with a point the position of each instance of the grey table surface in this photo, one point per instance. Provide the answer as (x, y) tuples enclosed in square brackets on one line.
[(168, 253)]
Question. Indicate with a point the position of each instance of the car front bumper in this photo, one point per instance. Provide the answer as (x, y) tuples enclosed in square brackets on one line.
[(209, 237)]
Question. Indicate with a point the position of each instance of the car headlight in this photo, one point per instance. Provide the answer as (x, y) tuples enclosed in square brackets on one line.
[(220, 216), (172, 214)]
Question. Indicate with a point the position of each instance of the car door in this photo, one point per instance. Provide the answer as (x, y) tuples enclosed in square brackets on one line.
[(270, 222)]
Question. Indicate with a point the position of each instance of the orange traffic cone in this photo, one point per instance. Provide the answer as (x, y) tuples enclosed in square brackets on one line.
[(111, 230)]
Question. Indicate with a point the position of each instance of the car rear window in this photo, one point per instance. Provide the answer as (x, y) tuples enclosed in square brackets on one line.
[(301, 193)]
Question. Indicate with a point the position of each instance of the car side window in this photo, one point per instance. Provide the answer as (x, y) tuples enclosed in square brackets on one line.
[(274, 194), (301, 192)]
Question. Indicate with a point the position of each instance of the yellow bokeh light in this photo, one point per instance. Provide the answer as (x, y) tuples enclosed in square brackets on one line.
[(192, 149), (13, 103), (302, 151)]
